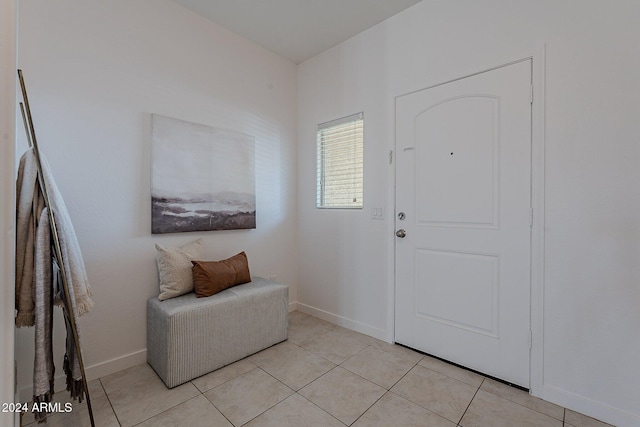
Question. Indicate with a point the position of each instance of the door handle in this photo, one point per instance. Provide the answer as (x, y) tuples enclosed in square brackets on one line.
[(401, 233)]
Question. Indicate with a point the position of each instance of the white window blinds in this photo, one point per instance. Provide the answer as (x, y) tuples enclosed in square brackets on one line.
[(339, 163)]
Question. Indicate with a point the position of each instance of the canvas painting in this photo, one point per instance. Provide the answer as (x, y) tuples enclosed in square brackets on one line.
[(202, 178)]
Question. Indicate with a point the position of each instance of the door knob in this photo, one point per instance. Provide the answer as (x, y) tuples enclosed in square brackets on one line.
[(401, 233)]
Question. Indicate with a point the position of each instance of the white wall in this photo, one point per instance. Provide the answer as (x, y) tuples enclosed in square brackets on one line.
[(7, 202), (592, 237), (95, 71)]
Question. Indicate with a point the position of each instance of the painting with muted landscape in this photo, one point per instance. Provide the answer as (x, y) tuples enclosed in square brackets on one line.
[(202, 178)]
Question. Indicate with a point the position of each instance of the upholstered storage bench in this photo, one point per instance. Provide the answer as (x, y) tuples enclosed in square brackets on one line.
[(188, 337)]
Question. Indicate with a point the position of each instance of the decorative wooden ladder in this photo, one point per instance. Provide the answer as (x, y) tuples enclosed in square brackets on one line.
[(67, 308)]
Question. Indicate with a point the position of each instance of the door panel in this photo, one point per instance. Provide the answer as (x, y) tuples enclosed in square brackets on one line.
[(451, 275), (457, 145), (463, 180)]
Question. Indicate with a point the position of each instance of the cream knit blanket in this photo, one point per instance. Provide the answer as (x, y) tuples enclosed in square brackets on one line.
[(35, 274), (30, 204)]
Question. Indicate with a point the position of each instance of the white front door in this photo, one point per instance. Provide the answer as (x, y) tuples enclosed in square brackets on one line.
[(463, 199)]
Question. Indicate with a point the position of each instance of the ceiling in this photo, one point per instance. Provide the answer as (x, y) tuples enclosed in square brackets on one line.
[(297, 29)]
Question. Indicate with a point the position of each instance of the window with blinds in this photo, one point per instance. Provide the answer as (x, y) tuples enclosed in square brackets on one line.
[(340, 159)]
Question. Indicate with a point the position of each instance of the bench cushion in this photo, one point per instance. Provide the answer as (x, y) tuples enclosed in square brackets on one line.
[(188, 337)]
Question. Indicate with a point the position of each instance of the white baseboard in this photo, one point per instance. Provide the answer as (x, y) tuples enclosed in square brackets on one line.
[(363, 328), (92, 372), (293, 306), (117, 364), (592, 408)]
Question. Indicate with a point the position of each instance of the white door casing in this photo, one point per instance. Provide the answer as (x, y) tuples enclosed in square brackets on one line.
[(463, 180)]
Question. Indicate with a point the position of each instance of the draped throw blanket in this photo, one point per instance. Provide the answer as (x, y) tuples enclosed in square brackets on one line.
[(38, 286)]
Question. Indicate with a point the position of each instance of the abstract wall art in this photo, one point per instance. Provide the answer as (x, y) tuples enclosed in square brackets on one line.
[(202, 178)]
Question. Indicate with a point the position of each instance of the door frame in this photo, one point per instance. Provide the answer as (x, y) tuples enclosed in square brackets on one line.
[(538, 68)]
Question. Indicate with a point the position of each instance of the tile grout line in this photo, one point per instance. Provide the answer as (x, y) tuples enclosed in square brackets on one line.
[(384, 387), (120, 423), (160, 413), (522, 405), (210, 402), (270, 407), (314, 338), (338, 366), (470, 402), (110, 404), (277, 403), (226, 381), (313, 403), (493, 394), (370, 406), (315, 354), (388, 390), (450, 377)]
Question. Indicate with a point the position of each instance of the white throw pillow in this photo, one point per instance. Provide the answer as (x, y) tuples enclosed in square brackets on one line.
[(174, 269)]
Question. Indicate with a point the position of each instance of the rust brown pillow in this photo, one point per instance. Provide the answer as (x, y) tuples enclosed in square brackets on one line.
[(211, 277)]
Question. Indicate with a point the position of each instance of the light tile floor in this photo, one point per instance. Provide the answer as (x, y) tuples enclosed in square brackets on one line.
[(323, 375)]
